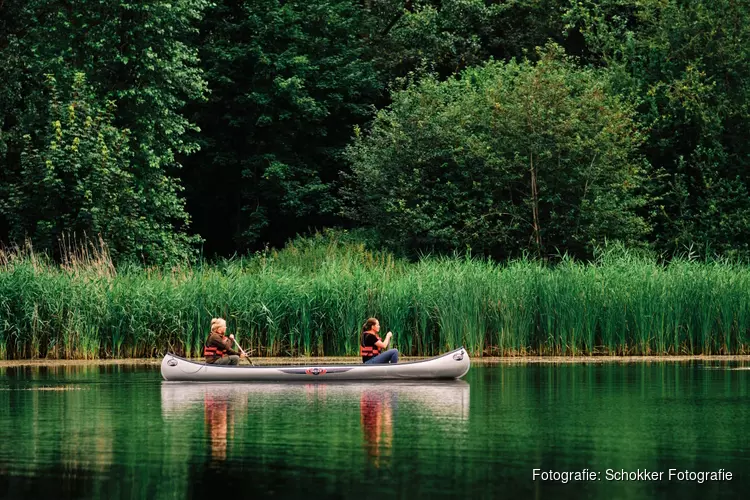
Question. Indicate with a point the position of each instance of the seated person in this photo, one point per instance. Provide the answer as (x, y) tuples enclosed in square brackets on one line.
[(219, 349), (372, 348)]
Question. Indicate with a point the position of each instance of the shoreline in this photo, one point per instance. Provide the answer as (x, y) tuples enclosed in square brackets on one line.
[(494, 360)]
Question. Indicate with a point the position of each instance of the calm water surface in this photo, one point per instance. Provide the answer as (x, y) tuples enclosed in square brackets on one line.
[(120, 432)]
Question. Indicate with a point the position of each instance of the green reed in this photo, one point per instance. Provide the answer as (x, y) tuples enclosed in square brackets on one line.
[(312, 297)]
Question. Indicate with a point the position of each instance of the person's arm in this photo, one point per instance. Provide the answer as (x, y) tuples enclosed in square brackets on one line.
[(234, 342), (383, 345), (215, 340), (222, 342), (229, 346)]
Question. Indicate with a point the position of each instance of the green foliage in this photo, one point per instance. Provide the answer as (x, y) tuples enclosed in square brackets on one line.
[(506, 158), (446, 36), (288, 80), (688, 64), (312, 297), (76, 177), (271, 91), (139, 55)]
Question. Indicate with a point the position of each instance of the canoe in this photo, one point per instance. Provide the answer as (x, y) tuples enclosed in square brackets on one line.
[(451, 365)]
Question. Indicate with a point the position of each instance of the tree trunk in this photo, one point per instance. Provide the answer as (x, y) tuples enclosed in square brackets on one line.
[(535, 206)]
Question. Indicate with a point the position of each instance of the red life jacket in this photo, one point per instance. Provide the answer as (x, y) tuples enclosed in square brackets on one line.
[(369, 352), (214, 352)]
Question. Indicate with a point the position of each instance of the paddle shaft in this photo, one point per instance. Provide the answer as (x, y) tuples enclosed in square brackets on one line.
[(243, 351)]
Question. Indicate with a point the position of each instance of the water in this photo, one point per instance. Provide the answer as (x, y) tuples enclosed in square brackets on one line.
[(120, 432)]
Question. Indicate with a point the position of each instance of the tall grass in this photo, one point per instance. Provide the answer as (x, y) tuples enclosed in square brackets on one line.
[(312, 297)]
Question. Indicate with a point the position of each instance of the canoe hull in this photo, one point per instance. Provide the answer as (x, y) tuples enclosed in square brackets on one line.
[(451, 365)]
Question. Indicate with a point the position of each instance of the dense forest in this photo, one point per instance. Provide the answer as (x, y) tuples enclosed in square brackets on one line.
[(174, 129)]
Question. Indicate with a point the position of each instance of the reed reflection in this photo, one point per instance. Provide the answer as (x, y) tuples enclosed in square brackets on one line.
[(81, 443)]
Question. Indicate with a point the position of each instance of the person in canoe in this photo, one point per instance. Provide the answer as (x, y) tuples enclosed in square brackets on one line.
[(219, 349), (373, 348)]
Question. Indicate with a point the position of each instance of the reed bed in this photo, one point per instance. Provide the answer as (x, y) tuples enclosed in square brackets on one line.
[(311, 298)]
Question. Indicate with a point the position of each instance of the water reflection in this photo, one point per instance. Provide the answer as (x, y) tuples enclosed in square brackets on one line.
[(216, 417), (268, 407), (376, 418), (123, 433)]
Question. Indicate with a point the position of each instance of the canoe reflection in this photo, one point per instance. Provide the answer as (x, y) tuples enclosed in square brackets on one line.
[(443, 402)]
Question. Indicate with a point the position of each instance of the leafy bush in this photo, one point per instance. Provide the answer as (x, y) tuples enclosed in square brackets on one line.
[(507, 158)]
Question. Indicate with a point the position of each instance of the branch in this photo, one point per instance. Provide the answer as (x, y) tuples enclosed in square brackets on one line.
[(407, 7)]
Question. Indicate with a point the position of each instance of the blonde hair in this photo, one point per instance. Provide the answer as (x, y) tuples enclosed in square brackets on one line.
[(217, 323)]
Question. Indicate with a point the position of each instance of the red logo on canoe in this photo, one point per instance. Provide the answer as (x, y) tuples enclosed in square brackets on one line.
[(316, 371)]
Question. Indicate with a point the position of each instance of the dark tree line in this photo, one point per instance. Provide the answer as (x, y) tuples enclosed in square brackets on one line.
[(504, 127)]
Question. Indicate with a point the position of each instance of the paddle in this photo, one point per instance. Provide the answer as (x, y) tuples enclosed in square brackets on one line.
[(242, 351)]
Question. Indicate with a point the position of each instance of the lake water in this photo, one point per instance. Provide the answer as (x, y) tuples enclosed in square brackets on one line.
[(120, 432)]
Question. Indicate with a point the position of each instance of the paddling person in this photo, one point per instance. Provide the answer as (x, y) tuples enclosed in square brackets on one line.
[(372, 348), (219, 349)]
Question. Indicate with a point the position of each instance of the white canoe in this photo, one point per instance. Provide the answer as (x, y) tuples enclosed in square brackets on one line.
[(451, 365)]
